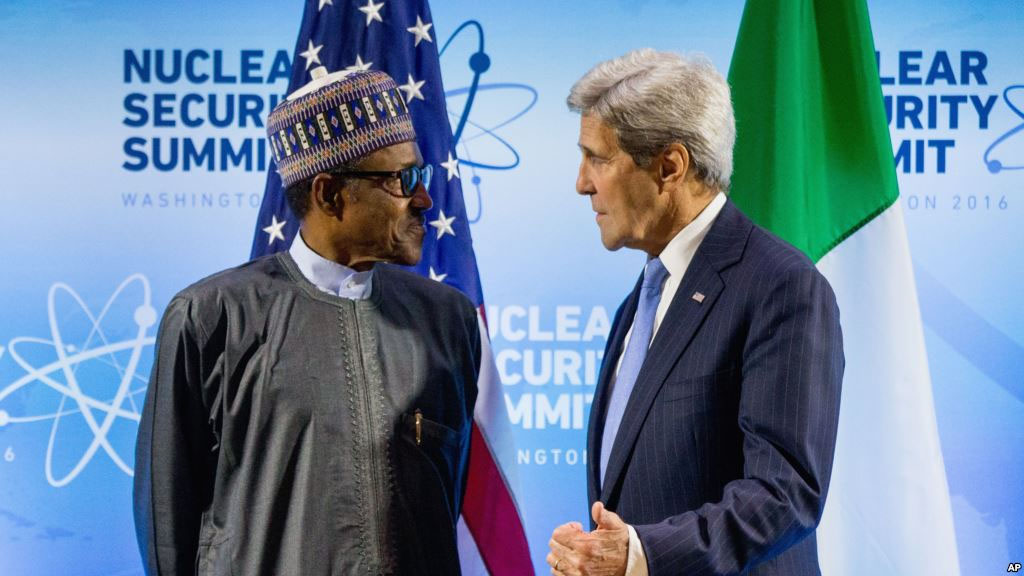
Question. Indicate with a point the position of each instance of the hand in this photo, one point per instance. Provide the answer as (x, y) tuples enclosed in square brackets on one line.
[(602, 552)]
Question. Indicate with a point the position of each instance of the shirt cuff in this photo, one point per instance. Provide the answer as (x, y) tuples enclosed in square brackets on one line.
[(636, 560)]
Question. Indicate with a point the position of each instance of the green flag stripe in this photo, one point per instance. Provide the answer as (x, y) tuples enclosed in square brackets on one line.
[(813, 156)]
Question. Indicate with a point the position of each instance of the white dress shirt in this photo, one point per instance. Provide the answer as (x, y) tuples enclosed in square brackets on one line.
[(676, 258), (329, 276)]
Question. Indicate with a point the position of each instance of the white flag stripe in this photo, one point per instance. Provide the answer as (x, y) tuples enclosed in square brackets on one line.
[(490, 415), (888, 509)]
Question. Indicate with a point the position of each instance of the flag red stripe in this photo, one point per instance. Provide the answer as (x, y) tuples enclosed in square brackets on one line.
[(491, 515)]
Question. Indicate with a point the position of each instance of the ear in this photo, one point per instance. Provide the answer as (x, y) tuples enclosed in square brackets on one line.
[(325, 194), (673, 163)]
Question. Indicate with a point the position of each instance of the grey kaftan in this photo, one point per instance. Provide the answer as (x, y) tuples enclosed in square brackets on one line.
[(290, 431)]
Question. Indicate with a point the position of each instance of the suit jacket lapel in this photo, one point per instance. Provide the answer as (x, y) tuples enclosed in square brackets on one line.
[(599, 405), (722, 247)]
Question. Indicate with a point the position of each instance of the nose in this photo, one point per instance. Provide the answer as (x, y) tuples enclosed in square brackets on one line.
[(584, 186), (421, 199)]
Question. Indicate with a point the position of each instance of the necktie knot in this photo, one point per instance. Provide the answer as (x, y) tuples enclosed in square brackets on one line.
[(654, 275)]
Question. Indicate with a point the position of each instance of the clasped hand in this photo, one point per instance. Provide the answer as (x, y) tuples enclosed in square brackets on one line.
[(602, 552)]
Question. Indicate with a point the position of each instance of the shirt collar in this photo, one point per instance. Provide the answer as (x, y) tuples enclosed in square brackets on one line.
[(330, 276), (680, 250)]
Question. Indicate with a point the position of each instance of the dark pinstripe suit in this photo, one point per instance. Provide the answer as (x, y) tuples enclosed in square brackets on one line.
[(723, 456)]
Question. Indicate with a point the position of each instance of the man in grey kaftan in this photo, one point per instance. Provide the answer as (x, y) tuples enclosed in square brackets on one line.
[(309, 412)]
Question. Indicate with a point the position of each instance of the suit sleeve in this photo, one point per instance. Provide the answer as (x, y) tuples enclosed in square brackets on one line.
[(788, 415), (174, 455)]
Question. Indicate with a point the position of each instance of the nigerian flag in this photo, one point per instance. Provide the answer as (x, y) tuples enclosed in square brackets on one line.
[(814, 165)]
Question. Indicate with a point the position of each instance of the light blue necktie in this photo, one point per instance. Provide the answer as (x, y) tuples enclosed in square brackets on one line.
[(633, 358)]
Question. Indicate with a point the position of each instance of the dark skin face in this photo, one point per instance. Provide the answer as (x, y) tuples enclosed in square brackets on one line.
[(357, 222)]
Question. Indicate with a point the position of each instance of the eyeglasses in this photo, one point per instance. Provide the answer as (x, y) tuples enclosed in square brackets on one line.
[(410, 177)]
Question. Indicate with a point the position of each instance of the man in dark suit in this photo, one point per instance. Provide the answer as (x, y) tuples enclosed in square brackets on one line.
[(714, 422)]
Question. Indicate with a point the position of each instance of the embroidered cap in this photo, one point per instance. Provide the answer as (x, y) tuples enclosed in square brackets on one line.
[(336, 118)]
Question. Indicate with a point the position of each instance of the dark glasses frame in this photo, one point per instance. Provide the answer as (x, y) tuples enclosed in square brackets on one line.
[(410, 177)]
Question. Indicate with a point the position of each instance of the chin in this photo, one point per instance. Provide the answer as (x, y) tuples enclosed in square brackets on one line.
[(611, 243), (409, 257)]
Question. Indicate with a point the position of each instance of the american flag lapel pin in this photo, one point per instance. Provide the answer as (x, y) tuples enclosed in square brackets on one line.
[(698, 297)]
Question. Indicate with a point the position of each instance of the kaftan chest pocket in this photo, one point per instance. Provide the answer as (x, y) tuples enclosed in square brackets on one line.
[(427, 473), (419, 427), (699, 389), (435, 441)]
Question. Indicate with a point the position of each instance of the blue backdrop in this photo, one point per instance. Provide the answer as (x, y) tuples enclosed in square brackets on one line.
[(126, 177)]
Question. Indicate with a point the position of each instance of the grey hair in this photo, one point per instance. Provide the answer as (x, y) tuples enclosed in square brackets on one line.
[(652, 99)]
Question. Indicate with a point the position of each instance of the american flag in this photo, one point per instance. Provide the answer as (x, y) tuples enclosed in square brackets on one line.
[(398, 37)]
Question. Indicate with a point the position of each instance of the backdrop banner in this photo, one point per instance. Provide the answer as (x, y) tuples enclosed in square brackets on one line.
[(134, 163)]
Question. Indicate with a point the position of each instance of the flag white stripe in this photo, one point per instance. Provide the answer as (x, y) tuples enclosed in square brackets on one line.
[(490, 414), (888, 509)]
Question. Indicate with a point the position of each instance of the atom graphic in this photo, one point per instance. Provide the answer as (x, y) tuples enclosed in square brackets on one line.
[(61, 376), (480, 62), (994, 165)]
